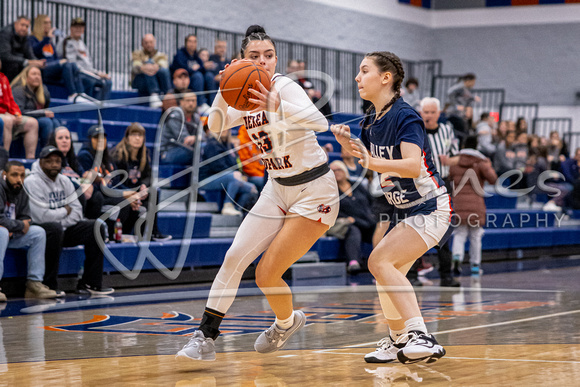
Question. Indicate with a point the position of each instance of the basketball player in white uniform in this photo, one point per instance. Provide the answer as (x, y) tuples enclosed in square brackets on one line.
[(296, 207)]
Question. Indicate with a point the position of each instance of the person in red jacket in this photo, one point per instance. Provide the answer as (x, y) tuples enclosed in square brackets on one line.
[(468, 176), (15, 124)]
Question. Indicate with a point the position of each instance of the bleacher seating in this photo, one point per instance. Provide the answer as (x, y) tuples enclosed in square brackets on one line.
[(507, 227)]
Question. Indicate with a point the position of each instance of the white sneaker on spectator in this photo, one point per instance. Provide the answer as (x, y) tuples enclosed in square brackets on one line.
[(551, 206), (155, 101), (202, 108), (228, 209), (78, 98)]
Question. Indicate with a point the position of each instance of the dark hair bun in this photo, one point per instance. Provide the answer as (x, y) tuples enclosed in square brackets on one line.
[(255, 29)]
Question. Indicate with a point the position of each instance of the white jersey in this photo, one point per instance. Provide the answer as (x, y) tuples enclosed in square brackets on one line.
[(286, 137)]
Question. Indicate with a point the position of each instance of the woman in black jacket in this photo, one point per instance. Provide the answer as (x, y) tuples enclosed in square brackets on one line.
[(112, 190), (355, 211), (132, 156)]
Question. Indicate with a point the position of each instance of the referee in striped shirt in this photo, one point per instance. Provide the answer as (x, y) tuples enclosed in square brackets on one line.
[(444, 145)]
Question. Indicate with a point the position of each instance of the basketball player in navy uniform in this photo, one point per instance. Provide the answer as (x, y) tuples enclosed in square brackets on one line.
[(296, 207), (393, 143)]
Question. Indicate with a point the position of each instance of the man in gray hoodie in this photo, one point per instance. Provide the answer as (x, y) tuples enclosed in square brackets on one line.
[(53, 199), (16, 232)]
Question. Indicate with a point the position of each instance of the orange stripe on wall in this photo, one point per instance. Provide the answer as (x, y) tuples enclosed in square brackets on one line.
[(416, 3), (572, 1)]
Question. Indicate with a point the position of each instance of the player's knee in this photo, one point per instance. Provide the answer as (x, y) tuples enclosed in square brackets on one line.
[(373, 265), (378, 264), (263, 276)]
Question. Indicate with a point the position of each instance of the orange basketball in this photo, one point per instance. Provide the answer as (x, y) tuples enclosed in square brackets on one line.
[(237, 79)]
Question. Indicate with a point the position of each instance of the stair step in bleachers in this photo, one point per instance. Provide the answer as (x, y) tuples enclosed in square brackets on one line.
[(173, 223), (115, 129), (60, 92), (311, 274), (131, 113), (500, 201)]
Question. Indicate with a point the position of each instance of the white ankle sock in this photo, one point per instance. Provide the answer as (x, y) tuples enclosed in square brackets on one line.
[(396, 334), (287, 323), (415, 324)]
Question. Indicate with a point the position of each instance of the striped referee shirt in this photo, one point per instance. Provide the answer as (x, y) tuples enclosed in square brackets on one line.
[(443, 142)]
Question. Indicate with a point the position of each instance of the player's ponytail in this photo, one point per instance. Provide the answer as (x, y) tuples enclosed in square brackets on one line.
[(387, 62), (255, 32)]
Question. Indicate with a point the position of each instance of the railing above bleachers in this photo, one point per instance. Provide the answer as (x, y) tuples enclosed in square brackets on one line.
[(112, 36), (490, 101), (544, 126), (513, 111), (439, 86)]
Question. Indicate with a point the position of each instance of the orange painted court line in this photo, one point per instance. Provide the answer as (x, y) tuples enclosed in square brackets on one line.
[(95, 319)]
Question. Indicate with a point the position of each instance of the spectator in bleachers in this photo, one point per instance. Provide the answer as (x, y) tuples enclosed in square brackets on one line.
[(469, 203), (219, 58), (15, 124), (485, 132), (54, 200), (187, 58), (313, 93), (71, 168), (181, 85), (3, 152), (254, 170), (210, 67), (536, 165), (510, 155), (571, 167), (104, 183), (31, 95), (16, 231), (56, 70), (557, 151), (521, 125), (501, 132), (459, 98), (355, 211), (132, 156), (352, 165), (571, 170), (410, 93), (568, 186), (292, 66), (240, 195), (96, 83), (150, 71), (15, 51), (179, 132)]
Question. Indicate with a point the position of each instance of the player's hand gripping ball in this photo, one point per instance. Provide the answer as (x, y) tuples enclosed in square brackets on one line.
[(237, 79)]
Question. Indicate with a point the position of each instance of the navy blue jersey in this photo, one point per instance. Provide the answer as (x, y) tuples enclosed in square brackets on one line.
[(383, 139)]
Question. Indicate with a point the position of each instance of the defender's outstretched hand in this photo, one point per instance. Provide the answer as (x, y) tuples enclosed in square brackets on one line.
[(341, 133)]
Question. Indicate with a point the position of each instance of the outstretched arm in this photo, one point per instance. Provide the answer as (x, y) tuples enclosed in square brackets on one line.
[(407, 167)]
